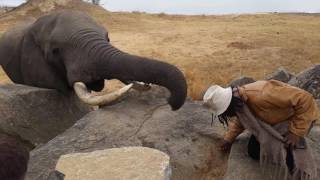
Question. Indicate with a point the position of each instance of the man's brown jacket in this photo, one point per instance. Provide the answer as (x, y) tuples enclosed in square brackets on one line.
[(273, 102)]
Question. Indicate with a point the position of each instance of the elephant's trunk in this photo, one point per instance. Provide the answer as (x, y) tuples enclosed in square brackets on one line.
[(126, 67)]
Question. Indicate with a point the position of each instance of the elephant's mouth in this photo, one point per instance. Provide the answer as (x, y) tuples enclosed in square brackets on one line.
[(96, 85), (83, 91)]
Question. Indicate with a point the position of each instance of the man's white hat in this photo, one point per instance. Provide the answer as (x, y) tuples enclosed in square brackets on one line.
[(218, 98)]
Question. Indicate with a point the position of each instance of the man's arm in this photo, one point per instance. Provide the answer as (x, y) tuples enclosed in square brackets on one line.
[(235, 128), (305, 109), (305, 113)]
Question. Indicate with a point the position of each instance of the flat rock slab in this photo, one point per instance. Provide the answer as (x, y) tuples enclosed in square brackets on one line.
[(117, 163), (242, 167)]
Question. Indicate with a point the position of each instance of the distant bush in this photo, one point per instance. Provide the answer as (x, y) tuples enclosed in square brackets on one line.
[(96, 2), (5, 8), (162, 14)]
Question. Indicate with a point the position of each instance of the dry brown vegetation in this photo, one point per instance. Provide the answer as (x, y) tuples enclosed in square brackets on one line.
[(208, 49)]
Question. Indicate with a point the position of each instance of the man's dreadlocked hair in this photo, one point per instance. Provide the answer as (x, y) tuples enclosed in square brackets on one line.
[(235, 105)]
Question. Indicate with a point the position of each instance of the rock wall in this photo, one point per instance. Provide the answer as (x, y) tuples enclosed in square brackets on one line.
[(37, 115), (142, 119)]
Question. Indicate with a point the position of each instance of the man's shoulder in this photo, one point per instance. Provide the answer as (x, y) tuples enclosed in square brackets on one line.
[(259, 85)]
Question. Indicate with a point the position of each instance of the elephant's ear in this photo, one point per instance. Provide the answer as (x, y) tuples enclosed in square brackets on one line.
[(35, 69), (10, 49)]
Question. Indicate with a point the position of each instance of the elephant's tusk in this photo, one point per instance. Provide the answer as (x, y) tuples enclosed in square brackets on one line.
[(95, 100)]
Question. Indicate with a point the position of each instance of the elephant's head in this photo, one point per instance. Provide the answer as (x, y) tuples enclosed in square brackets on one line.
[(67, 47)]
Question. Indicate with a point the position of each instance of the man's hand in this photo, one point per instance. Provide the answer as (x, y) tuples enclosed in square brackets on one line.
[(225, 146), (291, 140)]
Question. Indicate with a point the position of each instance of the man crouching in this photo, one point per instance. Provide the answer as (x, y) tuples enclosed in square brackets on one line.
[(277, 115)]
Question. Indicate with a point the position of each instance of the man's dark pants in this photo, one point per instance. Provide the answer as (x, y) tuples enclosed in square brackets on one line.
[(254, 152)]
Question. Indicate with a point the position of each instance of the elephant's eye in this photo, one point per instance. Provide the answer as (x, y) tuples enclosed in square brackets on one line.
[(55, 51), (107, 37)]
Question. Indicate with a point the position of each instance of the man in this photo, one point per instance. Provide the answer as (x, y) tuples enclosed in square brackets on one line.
[(270, 101)]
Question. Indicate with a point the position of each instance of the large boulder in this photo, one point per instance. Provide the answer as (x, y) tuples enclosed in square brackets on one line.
[(308, 80), (243, 80), (242, 167), (281, 75), (116, 163), (36, 115), (318, 120), (142, 119)]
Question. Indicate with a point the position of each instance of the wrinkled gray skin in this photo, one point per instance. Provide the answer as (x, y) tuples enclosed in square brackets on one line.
[(65, 47)]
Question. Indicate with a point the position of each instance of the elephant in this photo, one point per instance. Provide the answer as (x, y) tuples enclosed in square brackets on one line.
[(69, 51)]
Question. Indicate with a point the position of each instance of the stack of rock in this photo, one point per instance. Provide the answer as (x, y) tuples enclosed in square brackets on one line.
[(140, 119)]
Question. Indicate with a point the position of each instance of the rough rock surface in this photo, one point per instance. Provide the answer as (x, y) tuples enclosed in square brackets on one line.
[(117, 163), (56, 175), (142, 119), (281, 75), (37, 115), (308, 80), (318, 120), (242, 167), (241, 81)]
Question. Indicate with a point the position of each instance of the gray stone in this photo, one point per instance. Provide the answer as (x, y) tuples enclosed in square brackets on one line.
[(281, 75), (308, 80), (56, 175), (116, 163), (37, 115), (142, 119), (242, 167), (241, 81)]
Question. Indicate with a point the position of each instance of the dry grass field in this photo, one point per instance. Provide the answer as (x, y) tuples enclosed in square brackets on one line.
[(208, 49)]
